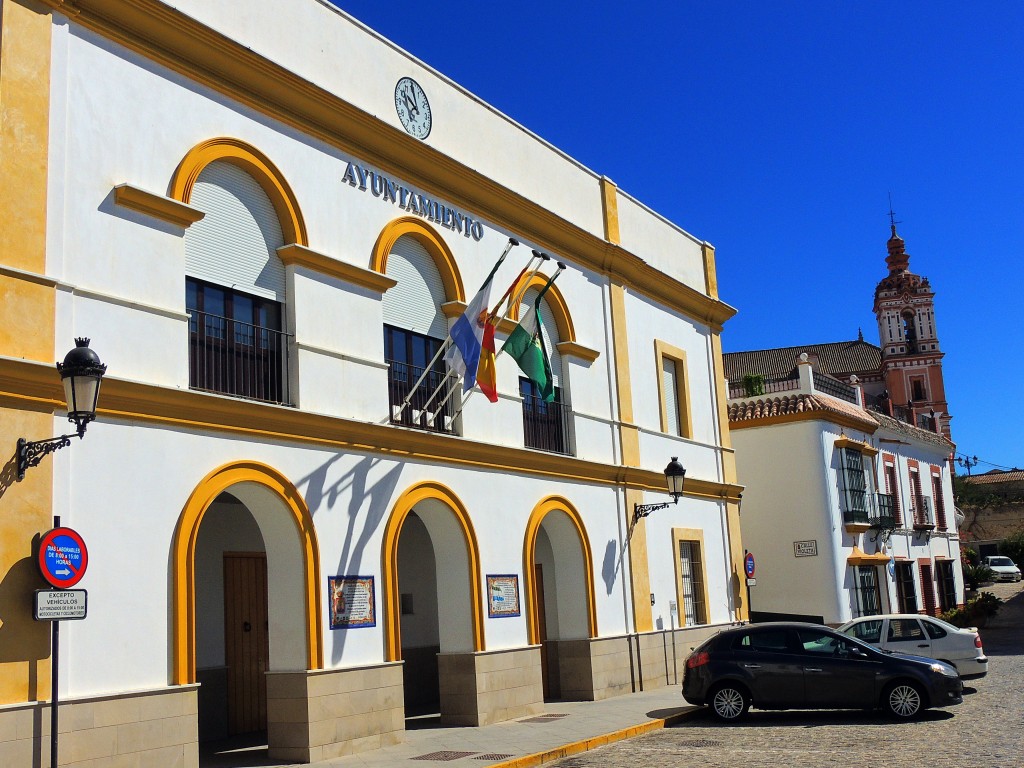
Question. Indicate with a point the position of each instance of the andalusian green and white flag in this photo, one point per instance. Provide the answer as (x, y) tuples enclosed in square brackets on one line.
[(526, 346)]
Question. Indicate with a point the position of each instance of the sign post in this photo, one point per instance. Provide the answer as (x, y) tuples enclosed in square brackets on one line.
[(748, 569), (63, 559)]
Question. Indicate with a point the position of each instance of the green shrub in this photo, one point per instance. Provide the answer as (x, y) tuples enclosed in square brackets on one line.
[(753, 385), (977, 574), (975, 613), (1013, 547), (968, 556)]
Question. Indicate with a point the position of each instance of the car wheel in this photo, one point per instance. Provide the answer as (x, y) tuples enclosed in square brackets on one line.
[(903, 700), (729, 702)]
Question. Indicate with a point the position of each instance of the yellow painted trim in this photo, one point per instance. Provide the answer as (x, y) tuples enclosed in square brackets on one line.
[(707, 252), (555, 301), (25, 381), (159, 207), (663, 350), (858, 445), (390, 598), (572, 349), (540, 511), (300, 256), (620, 345), (428, 237), (183, 667), (697, 535), (253, 162), (173, 39), (610, 210)]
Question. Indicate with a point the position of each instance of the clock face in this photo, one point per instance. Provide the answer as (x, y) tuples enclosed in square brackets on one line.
[(412, 107)]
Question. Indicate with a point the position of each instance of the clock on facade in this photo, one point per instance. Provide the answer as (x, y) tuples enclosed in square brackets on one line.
[(412, 107)]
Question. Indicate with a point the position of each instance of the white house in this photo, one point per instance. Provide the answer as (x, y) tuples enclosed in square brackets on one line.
[(847, 511), (266, 222)]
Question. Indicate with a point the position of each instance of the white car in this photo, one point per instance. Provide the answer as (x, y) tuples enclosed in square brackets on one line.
[(1003, 568), (923, 636)]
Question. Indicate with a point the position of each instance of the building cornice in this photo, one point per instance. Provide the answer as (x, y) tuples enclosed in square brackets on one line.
[(37, 386)]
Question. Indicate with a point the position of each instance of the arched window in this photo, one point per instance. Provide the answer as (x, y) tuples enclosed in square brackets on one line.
[(414, 330), (235, 288), (545, 424)]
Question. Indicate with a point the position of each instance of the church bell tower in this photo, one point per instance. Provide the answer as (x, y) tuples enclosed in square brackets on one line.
[(911, 356)]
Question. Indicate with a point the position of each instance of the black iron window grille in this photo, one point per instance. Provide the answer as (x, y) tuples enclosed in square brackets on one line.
[(545, 425), (430, 408)]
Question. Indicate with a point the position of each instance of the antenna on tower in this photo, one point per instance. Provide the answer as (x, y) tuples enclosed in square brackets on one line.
[(892, 214)]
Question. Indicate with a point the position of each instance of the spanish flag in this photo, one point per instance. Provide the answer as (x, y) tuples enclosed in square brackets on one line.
[(487, 374)]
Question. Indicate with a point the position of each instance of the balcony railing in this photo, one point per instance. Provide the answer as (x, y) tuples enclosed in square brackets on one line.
[(859, 507), (924, 518), (545, 425), (884, 516), (236, 358), (789, 384), (438, 415), (834, 387)]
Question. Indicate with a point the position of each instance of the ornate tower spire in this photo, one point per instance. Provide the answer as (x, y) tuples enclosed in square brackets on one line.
[(898, 258)]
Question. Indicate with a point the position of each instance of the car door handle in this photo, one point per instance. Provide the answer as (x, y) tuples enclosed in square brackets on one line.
[(812, 669), (752, 666), (922, 645)]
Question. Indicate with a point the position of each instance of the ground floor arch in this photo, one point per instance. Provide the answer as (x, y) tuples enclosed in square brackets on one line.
[(559, 584), (246, 601)]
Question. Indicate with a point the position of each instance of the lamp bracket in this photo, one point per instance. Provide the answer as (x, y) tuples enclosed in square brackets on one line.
[(883, 534), (30, 453), (640, 511)]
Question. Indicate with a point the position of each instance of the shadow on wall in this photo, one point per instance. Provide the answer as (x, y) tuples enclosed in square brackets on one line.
[(375, 499), (610, 566), (22, 638)]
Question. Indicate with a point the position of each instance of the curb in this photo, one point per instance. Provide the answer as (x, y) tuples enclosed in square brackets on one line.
[(556, 753)]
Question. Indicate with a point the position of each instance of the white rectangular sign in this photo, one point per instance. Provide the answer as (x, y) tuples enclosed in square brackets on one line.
[(805, 548), (58, 604)]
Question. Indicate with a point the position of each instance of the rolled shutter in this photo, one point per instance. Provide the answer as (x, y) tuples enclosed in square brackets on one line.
[(415, 303), (235, 244), (670, 391)]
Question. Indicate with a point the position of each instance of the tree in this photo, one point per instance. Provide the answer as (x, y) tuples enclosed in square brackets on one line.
[(1013, 547)]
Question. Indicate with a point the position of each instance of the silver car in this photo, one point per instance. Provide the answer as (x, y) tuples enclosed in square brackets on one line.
[(923, 636)]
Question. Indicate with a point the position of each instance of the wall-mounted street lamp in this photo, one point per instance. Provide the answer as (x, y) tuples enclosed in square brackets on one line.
[(675, 474), (81, 373)]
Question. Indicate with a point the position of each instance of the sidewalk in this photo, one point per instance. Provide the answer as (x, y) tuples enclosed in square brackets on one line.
[(565, 728)]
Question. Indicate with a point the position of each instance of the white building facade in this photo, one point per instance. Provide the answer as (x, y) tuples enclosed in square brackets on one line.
[(266, 223), (848, 512)]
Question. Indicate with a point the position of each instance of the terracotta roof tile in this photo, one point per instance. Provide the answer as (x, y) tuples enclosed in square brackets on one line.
[(925, 435), (996, 476), (786, 405), (839, 359)]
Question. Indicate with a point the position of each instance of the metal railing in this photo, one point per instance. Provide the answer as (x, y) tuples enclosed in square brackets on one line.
[(545, 425), (770, 386), (232, 357), (834, 387), (884, 515), (433, 418)]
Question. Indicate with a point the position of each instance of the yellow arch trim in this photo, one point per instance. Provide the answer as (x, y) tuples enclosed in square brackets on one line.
[(556, 302), (184, 550), (253, 162), (429, 239), (551, 504), (389, 563)]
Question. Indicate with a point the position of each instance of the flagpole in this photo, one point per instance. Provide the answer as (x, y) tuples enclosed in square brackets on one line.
[(508, 309), (448, 342)]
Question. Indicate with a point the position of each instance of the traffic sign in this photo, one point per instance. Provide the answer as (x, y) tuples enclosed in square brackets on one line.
[(63, 557), (748, 564), (59, 604)]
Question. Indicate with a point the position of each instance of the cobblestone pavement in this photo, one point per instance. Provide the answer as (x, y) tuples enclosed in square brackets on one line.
[(986, 731)]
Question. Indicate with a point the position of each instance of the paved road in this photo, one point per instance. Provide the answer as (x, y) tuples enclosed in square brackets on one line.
[(986, 731)]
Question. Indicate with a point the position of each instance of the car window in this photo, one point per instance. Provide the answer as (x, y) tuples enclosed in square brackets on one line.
[(772, 641), (934, 630), (822, 643), (904, 630), (869, 631), (1000, 561)]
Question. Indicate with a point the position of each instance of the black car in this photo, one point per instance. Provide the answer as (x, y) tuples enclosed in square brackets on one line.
[(783, 665)]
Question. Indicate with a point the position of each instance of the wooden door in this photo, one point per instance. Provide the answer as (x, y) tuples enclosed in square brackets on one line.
[(246, 646)]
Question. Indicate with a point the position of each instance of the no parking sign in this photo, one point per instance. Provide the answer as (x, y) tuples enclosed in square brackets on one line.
[(63, 557)]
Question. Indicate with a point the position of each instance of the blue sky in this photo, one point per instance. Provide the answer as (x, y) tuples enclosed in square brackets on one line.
[(777, 132)]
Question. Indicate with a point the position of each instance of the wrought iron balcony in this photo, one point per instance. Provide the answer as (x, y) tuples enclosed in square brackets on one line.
[(884, 515)]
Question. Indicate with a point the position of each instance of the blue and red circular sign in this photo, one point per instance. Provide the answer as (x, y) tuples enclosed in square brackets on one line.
[(748, 564), (63, 557)]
